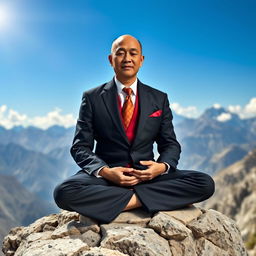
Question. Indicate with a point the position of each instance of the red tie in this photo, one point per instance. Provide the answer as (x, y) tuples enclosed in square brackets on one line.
[(128, 107)]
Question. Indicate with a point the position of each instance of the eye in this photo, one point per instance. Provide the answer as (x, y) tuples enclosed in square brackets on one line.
[(119, 53), (133, 53)]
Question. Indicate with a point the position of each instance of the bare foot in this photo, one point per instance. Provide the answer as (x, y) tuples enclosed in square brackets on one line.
[(133, 203)]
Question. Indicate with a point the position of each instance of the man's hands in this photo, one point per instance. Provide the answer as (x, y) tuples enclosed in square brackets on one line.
[(120, 175), (154, 169), (130, 177)]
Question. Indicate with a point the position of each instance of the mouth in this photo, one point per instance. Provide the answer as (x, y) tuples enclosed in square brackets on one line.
[(127, 67)]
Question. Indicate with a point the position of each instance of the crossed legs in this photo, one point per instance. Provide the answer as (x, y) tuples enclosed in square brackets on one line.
[(102, 200)]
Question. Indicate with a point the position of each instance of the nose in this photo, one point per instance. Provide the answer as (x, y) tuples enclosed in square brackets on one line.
[(127, 58)]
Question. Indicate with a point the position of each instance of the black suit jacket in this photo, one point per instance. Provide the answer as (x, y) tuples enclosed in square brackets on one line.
[(99, 120)]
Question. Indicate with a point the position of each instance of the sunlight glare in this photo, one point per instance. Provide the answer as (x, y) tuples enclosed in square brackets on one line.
[(5, 17)]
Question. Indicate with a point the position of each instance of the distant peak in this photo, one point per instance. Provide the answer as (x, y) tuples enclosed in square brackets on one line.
[(213, 112), (219, 114), (217, 106)]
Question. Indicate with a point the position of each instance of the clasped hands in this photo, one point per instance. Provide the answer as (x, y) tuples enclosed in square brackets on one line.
[(124, 176)]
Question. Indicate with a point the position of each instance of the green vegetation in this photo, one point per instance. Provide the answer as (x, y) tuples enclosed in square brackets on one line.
[(251, 242)]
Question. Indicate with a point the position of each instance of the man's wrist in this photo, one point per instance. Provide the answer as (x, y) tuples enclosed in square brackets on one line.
[(103, 171), (164, 168)]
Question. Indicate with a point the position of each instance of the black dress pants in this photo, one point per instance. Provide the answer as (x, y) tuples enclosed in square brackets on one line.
[(103, 200)]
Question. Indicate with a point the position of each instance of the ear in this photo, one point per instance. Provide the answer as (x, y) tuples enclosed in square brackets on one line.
[(142, 60), (110, 59)]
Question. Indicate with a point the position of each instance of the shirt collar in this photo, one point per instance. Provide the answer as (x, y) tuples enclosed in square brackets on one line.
[(120, 86)]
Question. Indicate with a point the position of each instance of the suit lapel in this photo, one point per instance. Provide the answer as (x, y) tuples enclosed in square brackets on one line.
[(109, 95), (144, 109)]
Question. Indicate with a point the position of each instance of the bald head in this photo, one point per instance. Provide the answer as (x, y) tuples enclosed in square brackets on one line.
[(125, 37), (126, 58)]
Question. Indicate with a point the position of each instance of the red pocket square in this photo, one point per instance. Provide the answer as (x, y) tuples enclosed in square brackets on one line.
[(157, 113)]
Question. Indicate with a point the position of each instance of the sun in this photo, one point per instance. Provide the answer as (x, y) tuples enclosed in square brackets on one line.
[(5, 17)]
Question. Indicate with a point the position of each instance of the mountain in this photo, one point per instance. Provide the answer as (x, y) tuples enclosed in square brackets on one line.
[(211, 136), (38, 172), (226, 157), (235, 195), (36, 139), (177, 118), (209, 143), (18, 206)]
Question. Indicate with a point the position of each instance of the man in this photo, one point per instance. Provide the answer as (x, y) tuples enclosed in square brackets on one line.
[(125, 117)]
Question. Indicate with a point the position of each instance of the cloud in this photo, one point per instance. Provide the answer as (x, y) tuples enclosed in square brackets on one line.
[(10, 118), (217, 106), (249, 110), (190, 111), (53, 118), (224, 117)]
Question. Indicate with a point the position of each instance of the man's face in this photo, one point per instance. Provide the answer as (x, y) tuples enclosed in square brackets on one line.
[(126, 57)]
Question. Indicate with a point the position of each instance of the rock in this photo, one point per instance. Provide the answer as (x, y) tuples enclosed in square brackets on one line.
[(168, 227), (185, 215), (91, 238), (185, 232), (66, 216), (186, 247), (220, 231), (102, 252), (206, 248), (135, 240), (58, 247), (68, 229), (235, 196), (137, 216), (87, 224)]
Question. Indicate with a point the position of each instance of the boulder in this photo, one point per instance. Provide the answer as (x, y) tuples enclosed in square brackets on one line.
[(186, 232)]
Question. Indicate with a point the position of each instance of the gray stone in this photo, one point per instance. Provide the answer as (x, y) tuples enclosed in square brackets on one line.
[(102, 252), (168, 227), (186, 247), (84, 226), (67, 216), (207, 248), (220, 231), (57, 247), (199, 233), (185, 215), (68, 229), (91, 238), (136, 216), (135, 241)]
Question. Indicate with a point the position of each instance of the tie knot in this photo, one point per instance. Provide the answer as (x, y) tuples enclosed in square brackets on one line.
[(128, 91)]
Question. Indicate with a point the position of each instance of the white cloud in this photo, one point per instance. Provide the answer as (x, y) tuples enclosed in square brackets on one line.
[(217, 106), (53, 118), (249, 110), (10, 118), (2, 109), (190, 111), (224, 117)]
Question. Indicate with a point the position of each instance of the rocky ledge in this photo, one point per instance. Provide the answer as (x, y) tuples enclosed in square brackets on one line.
[(189, 232)]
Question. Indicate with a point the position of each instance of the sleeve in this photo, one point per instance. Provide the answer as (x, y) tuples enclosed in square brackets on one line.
[(83, 141), (167, 170), (167, 144), (96, 173)]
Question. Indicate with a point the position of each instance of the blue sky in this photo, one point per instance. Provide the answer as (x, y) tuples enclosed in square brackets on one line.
[(199, 52)]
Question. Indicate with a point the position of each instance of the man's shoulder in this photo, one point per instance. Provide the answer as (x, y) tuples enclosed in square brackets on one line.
[(152, 89), (96, 90)]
